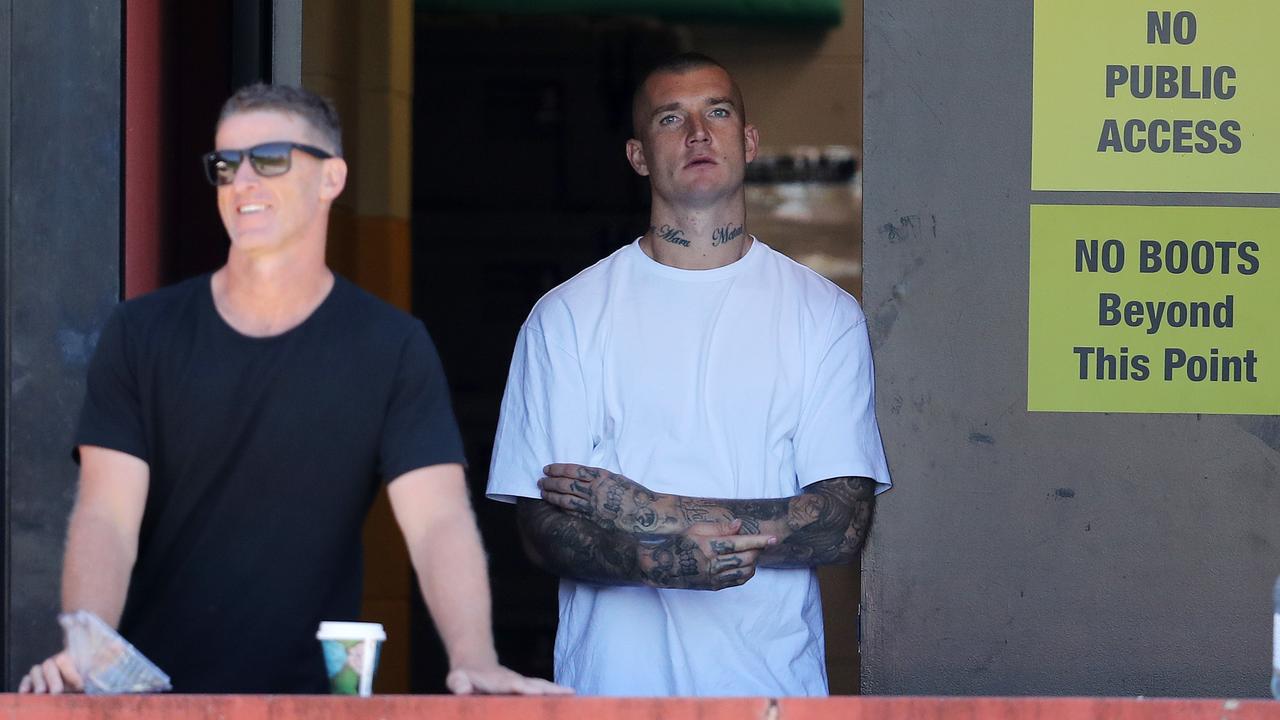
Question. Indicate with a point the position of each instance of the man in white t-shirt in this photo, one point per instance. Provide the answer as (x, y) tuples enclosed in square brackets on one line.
[(689, 428)]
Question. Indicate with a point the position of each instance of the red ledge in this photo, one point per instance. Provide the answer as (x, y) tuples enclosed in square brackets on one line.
[(440, 707)]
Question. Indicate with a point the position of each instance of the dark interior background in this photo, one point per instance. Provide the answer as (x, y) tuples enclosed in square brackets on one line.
[(520, 181)]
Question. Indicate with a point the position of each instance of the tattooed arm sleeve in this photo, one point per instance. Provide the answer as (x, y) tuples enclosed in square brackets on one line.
[(827, 524), (705, 558), (824, 524), (573, 547)]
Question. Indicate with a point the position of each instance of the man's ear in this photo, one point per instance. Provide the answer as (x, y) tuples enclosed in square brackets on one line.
[(635, 156), (333, 178), (751, 141)]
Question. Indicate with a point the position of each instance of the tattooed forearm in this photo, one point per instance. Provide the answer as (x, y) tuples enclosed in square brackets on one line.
[(675, 236), (752, 513), (825, 524), (693, 510), (828, 523), (722, 235), (572, 547)]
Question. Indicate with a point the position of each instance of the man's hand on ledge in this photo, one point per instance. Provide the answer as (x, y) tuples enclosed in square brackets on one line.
[(498, 680), (55, 675)]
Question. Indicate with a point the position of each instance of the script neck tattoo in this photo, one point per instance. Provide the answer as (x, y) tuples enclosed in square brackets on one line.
[(724, 234), (675, 236)]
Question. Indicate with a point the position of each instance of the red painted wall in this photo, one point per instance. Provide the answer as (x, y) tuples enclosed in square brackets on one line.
[(143, 145)]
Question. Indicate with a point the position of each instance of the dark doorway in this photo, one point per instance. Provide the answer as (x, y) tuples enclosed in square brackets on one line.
[(520, 181), (224, 46)]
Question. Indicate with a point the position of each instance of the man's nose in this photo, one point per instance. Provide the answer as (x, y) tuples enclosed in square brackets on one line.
[(697, 130), (245, 174)]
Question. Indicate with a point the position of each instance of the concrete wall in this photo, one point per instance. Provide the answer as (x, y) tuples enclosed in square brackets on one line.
[(60, 231), (1028, 553), (803, 86)]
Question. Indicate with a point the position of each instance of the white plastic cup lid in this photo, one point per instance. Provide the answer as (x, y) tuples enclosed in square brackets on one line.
[(350, 631)]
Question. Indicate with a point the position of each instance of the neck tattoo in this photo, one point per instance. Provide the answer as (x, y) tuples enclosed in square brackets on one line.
[(672, 235), (722, 235)]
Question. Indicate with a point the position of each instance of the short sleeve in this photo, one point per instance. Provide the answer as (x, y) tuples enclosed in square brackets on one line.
[(420, 429), (838, 435), (544, 416), (111, 416)]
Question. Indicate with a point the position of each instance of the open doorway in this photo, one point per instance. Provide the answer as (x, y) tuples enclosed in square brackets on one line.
[(509, 131), (520, 181)]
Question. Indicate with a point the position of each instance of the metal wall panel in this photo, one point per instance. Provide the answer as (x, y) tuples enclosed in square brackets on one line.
[(62, 278), (286, 42), (6, 23)]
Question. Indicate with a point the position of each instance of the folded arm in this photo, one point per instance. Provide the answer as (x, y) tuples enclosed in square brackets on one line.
[(825, 524), (704, 556)]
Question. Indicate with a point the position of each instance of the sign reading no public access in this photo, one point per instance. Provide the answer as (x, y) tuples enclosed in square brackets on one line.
[(1145, 96), (1154, 309)]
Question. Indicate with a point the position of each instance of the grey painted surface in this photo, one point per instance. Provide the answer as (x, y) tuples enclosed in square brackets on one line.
[(1028, 553), (286, 42), (6, 16), (61, 279)]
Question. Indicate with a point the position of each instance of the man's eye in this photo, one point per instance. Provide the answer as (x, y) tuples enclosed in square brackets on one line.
[(667, 119), (719, 112)]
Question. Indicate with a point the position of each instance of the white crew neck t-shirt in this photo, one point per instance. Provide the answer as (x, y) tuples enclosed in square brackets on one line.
[(750, 380)]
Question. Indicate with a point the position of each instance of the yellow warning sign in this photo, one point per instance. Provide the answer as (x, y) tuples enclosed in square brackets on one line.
[(1132, 95), (1154, 309)]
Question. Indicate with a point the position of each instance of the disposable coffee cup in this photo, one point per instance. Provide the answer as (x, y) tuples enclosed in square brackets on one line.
[(351, 655)]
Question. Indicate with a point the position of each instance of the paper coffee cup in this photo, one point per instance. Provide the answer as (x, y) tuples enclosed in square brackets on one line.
[(351, 655)]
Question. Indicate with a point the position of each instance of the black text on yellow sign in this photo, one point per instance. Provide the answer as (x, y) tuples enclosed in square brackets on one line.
[(1139, 96), (1153, 309)]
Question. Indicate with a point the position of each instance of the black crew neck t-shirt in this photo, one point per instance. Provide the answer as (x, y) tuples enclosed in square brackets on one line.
[(265, 455)]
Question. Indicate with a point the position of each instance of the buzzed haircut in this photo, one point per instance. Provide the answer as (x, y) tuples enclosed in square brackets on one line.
[(679, 64), (314, 109)]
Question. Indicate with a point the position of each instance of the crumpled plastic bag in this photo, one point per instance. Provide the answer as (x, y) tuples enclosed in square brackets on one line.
[(107, 663)]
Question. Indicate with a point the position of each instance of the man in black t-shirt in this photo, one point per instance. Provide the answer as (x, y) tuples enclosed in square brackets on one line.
[(234, 432)]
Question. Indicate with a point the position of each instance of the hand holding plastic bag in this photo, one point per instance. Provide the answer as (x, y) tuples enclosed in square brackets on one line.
[(107, 663)]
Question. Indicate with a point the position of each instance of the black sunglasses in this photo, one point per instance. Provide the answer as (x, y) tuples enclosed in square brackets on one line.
[(268, 160)]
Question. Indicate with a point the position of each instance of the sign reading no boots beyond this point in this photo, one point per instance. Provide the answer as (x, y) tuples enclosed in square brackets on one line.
[(1154, 309)]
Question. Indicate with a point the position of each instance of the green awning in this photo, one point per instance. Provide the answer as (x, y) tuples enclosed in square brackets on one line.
[(799, 12)]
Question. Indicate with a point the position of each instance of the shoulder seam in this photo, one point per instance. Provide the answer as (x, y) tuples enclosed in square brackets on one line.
[(546, 341)]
